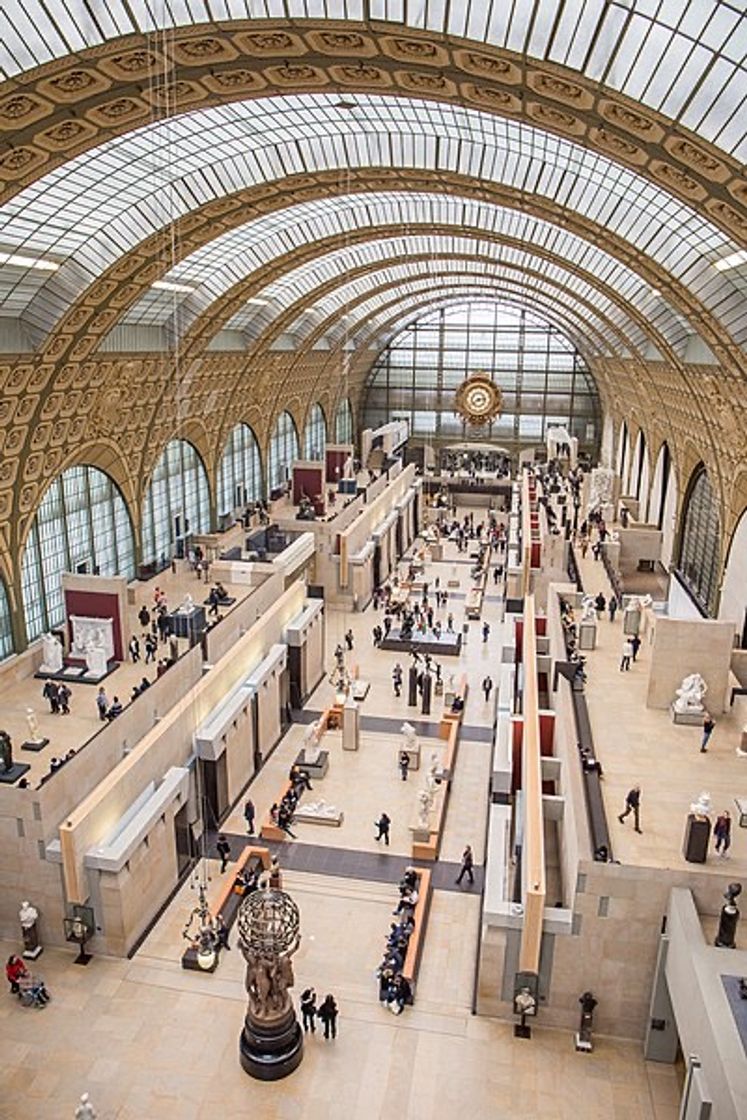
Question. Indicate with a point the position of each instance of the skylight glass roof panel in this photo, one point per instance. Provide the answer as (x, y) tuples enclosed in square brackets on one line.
[(714, 96)]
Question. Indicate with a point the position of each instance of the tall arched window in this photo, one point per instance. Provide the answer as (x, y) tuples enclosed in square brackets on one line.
[(82, 525), (177, 502), (240, 470), (699, 541), (283, 450), (6, 631), (315, 433), (344, 422)]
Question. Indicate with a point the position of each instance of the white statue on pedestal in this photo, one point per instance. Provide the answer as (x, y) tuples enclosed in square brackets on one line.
[(690, 694), (425, 804), (601, 484), (188, 604), (701, 807), (411, 739), (96, 662), (311, 745), (27, 915), (52, 656), (85, 1110), (589, 609), (320, 809), (33, 725)]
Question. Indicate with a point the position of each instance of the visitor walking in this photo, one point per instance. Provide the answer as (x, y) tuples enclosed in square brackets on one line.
[(144, 617), (632, 805), (50, 692), (722, 833), (382, 826), (635, 645), (134, 648), (151, 646), (102, 703), (63, 698), (485, 631), (468, 862), (404, 765), (349, 639), (612, 608), (224, 851), (397, 679), (487, 687), (249, 814), (708, 726), (627, 653), (600, 603), (308, 1009), (328, 1012)]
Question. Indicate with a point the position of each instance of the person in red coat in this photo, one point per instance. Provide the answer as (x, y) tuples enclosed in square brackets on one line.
[(14, 970)]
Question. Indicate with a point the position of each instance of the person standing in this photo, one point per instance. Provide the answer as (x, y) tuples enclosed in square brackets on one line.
[(224, 851), (632, 805), (487, 687), (468, 862), (708, 726), (635, 645), (308, 1009), (144, 617), (134, 648), (485, 631), (600, 603), (382, 826), (722, 833), (627, 653), (50, 693), (249, 814), (612, 607), (102, 703), (404, 765), (151, 645), (397, 679), (63, 698), (349, 639), (328, 1012)]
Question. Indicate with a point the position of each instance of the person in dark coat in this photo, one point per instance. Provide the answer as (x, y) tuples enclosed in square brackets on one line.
[(328, 1012), (468, 862), (308, 1009), (50, 693), (722, 833), (249, 814), (632, 805), (224, 851), (382, 825)]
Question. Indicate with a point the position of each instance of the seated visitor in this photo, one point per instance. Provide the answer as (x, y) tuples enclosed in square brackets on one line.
[(457, 704), (115, 709)]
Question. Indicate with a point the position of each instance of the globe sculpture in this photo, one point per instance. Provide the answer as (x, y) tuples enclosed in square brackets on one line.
[(271, 1044)]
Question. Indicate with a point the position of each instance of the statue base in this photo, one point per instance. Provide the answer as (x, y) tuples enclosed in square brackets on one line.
[(32, 954), (693, 719), (34, 744), (270, 1051), (16, 771)]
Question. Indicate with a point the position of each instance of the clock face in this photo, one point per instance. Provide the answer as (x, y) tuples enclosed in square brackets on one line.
[(478, 399)]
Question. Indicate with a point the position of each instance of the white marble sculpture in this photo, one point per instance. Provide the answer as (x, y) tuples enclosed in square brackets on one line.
[(434, 770), (52, 656), (187, 604), (27, 915), (96, 660), (320, 809), (411, 739), (690, 694), (425, 804), (33, 725), (601, 482), (589, 610), (701, 807), (311, 746), (97, 631), (85, 1110)]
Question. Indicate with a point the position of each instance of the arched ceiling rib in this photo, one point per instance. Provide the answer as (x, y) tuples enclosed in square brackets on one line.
[(369, 312), (96, 207), (388, 263), (682, 58)]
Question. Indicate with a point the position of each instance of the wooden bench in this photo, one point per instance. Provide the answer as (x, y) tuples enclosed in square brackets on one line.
[(417, 937), (270, 830), (228, 901), (449, 717)]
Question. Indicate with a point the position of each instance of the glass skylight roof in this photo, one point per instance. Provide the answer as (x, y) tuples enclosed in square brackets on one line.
[(97, 206), (685, 58)]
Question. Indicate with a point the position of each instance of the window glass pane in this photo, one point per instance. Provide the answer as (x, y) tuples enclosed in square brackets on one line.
[(699, 548), (240, 471), (283, 451), (315, 433), (344, 422), (82, 524), (6, 634), (177, 502)]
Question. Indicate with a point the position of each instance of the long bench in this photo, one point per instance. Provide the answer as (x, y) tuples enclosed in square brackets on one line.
[(449, 729), (329, 720), (417, 937), (229, 900)]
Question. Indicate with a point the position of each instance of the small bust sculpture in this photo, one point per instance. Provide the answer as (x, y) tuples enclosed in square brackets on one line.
[(188, 604), (411, 739), (85, 1110), (701, 807)]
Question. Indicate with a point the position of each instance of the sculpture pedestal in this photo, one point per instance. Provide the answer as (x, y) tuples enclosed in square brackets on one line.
[(31, 947), (271, 1050), (16, 771), (34, 744), (694, 719), (587, 635)]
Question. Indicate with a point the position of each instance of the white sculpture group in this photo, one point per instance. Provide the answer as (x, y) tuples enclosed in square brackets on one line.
[(427, 795), (320, 809), (690, 695), (52, 657)]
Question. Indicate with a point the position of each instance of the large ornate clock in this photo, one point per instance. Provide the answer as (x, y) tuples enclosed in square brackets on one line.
[(478, 399)]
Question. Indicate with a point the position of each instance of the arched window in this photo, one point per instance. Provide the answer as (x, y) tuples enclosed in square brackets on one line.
[(240, 470), (177, 502), (315, 433), (283, 450), (699, 541), (82, 525), (6, 631), (344, 422)]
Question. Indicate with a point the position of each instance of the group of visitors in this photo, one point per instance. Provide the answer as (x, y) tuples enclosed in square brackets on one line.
[(282, 814), (395, 990), (58, 694), (327, 1011), (198, 563), (106, 710), (216, 596)]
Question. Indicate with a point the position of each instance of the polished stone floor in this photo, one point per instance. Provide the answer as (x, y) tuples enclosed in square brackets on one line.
[(148, 1039)]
